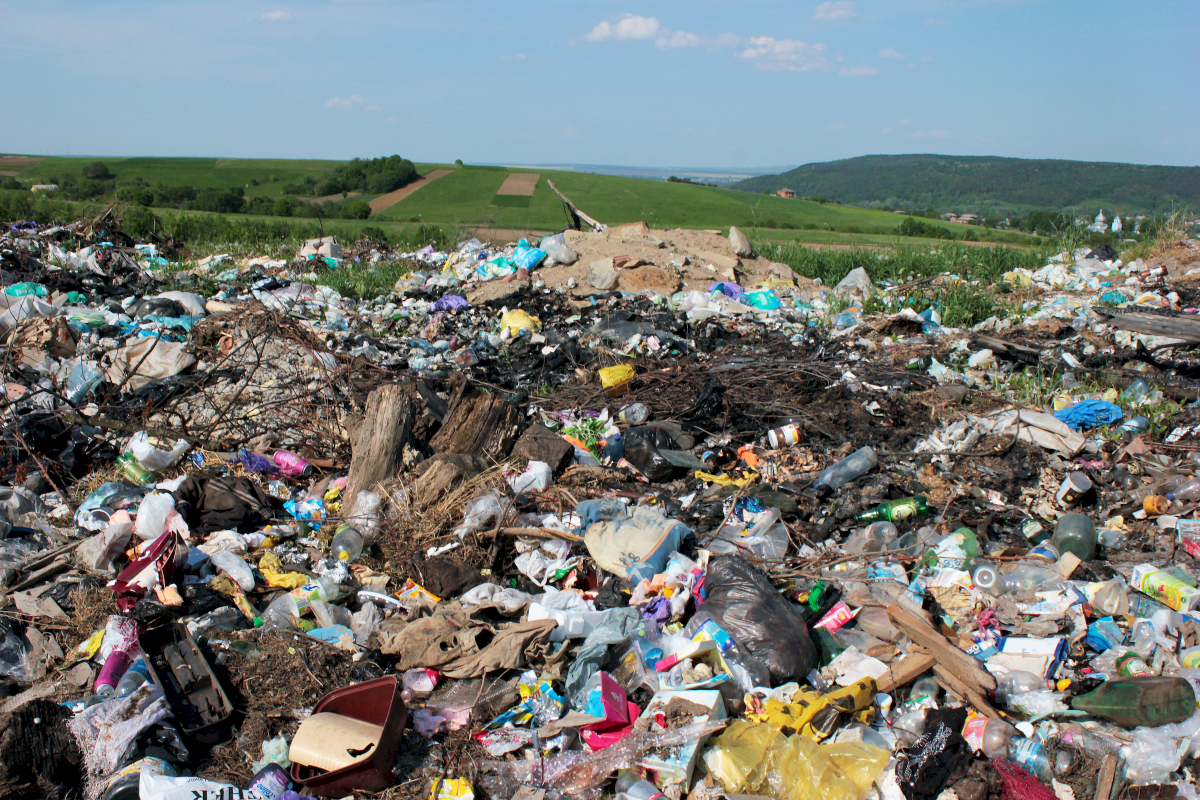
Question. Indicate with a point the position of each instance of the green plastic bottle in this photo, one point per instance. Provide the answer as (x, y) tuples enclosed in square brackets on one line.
[(896, 510), (1138, 702)]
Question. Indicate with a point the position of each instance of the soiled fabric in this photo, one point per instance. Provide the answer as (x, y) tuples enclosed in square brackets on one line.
[(460, 643), (215, 504), (162, 360), (935, 760)]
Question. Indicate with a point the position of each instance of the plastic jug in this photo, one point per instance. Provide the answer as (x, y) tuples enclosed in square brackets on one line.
[(1076, 533), (571, 624)]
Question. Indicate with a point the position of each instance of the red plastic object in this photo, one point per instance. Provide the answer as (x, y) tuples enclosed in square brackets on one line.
[(378, 702), (158, 564)]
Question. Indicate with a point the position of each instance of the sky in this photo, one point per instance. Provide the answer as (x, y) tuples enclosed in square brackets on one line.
[(752, 83)]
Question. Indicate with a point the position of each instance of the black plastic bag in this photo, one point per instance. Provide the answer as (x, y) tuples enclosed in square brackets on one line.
[(745, 604), (641, 450)]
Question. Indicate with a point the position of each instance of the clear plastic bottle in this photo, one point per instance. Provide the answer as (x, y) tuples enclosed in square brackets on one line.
[(348, 543), (137, 674), (837, 475), (1030, 577), (1015, 683), (1188, 490), (996, 736), (634, 414), (1030, 754), (925, 686), (988, 579), (294, 604)]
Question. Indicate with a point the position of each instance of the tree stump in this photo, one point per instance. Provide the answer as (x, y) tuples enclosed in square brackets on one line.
[(377, 442)]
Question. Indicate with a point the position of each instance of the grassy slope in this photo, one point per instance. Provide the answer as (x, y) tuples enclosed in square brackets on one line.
[(464, 197), (989, 183)]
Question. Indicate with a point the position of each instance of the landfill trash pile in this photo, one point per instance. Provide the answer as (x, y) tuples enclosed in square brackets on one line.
[(625, 513)]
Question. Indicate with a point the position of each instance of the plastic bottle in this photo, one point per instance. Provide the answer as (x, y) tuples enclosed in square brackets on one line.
[(837, 475), (1076, 533), (347, 544), (135, 471), (1029, 577), (294, 604), (269, 782), (634, 414), (419, 683), (1016, 683), (1163, 487), (641, 790), (874, 538), (784, 436), (1133, 427), (137, 674), (988, 579), (1188, 490), (292, 465), (1140, 702), (1030, 754), (896, 510), (571, 624), (996, 737), (925, 686)]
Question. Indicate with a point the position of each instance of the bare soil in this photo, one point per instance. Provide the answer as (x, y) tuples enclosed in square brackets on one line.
[(519, 183), (385, 201)]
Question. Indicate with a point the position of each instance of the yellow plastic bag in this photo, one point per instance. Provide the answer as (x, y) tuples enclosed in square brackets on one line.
[(817, 715), (754, 758), (616, 379), (514, 321), (272, 569)]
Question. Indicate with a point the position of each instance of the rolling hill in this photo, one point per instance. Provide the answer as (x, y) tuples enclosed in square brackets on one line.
[(990, 184)]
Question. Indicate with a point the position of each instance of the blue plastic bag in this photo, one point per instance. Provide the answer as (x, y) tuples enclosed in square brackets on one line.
[(1088, 414), (762, 298), (526, 257)]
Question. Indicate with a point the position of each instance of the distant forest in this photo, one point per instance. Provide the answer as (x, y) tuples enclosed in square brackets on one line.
[(990, 185)]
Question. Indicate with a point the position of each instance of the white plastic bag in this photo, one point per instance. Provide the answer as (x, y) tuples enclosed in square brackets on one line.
[(150, 456), (556, 247), (156, 514), (168, 787), (483, 510), (537, 477), (235, 567)]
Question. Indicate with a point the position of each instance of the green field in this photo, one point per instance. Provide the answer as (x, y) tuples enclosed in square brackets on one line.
[(467, 197)]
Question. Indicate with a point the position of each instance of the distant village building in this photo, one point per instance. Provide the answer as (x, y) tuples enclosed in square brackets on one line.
[(967, 219), (1116, 226), (1100, 224), (44, 187), (788, 193)]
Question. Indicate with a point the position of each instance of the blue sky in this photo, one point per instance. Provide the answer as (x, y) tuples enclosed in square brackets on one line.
[(700, 83)]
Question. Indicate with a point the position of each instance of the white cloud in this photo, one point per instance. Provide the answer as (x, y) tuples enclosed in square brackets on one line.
[(935, 21), (629, 27), (835, 126), (933, 132), (905, 122), (767, 52), (276, 16), (345, 102), (517, 57), (671, 41), (857, 72), (842, 9), (891, 52)]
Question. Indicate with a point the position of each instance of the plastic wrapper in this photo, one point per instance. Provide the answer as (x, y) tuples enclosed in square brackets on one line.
[(14, 659), (578, 774), (170, 787), (105, 731), (481, 511), (751, 758)]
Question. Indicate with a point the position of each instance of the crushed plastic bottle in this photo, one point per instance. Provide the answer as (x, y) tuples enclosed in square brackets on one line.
[(837, 475)]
